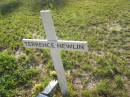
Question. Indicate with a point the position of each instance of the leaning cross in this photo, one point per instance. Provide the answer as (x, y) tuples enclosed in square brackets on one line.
[(55, 46)]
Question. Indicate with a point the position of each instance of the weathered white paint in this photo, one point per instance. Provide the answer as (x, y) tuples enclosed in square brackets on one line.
[(55, 53), (50, 88), (55, 47), (60, 44)]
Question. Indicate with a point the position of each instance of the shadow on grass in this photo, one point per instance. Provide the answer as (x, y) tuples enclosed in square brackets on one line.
[(59, 3), (47, 4), (9, 7)]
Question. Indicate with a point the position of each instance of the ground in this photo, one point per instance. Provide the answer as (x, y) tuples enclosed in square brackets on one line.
[(104, 71)]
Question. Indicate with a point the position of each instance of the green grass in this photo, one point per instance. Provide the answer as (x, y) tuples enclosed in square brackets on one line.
[(105, 24)]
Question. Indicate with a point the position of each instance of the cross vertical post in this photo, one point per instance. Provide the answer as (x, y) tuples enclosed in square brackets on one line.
[(55, 52)]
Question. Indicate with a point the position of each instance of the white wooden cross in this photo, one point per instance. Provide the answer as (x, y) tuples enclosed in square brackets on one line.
[(55, 47)]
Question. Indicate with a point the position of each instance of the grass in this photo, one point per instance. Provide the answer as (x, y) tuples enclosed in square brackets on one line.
[(105, 24)]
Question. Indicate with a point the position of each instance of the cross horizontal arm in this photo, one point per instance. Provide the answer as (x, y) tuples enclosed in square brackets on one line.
[(60, 44)]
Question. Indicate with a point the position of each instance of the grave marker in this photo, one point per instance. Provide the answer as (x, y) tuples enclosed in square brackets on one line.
[(55, 46)]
